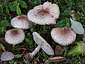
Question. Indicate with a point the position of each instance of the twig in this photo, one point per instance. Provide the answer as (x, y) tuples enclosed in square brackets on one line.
[(3, 3), (82, 9), (59, 3), (3, 48), (11, 3), (23, 51)]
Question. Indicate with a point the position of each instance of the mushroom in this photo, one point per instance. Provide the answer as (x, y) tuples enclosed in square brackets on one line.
[(41, 44), (14, 36), (21, 22), (6, 56), (63, 36), (44, 14)]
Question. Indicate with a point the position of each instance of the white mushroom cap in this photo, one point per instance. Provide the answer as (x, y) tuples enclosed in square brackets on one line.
[(53, 9), (63, 36), (21, 22), (44, 14), (14, 36), (44, 45), (6, 56)]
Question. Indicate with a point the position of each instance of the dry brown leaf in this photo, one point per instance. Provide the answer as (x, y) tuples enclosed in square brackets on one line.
[(58, 50), (27, 56), (56, 59), (3, 48)]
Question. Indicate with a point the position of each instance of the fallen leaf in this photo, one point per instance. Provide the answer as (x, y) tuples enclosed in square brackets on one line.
[(3, 48), (6, 56), (77, 27), (56, 59), (58, 50)]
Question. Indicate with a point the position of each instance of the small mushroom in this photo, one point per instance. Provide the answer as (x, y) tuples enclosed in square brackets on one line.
[(44, 45), (29, 56), (14, 36), (63, 36), (41, 44), (44, 14), (6, 56), (21, 22)]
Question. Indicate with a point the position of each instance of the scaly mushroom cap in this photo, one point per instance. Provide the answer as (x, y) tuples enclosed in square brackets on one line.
[(14, 36), (44, 14), (44, 45), (63, 36), (21, 22)]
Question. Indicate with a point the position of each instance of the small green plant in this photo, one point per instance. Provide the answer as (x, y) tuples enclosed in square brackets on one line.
[(18, 56), (12, 6), (16, 5), (3, 26)]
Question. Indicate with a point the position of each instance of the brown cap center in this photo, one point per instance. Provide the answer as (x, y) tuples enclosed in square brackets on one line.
[(65, 30), (14, 32), (43, 12), (21, 17)]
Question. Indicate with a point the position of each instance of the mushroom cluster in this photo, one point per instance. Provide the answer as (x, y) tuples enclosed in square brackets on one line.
[(16, 36), (41, 14), (44, 14)]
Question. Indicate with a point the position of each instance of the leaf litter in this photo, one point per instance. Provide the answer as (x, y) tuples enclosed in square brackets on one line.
[(56, 59)]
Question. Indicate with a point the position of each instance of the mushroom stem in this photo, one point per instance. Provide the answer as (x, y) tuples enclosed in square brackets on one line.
[(13, 45), (31, 55), (36, 50)]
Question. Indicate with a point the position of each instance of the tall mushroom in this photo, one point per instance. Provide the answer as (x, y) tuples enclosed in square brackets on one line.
[(63, 36), (21, 22), (41, 44), (44, 14), (14, 36)]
